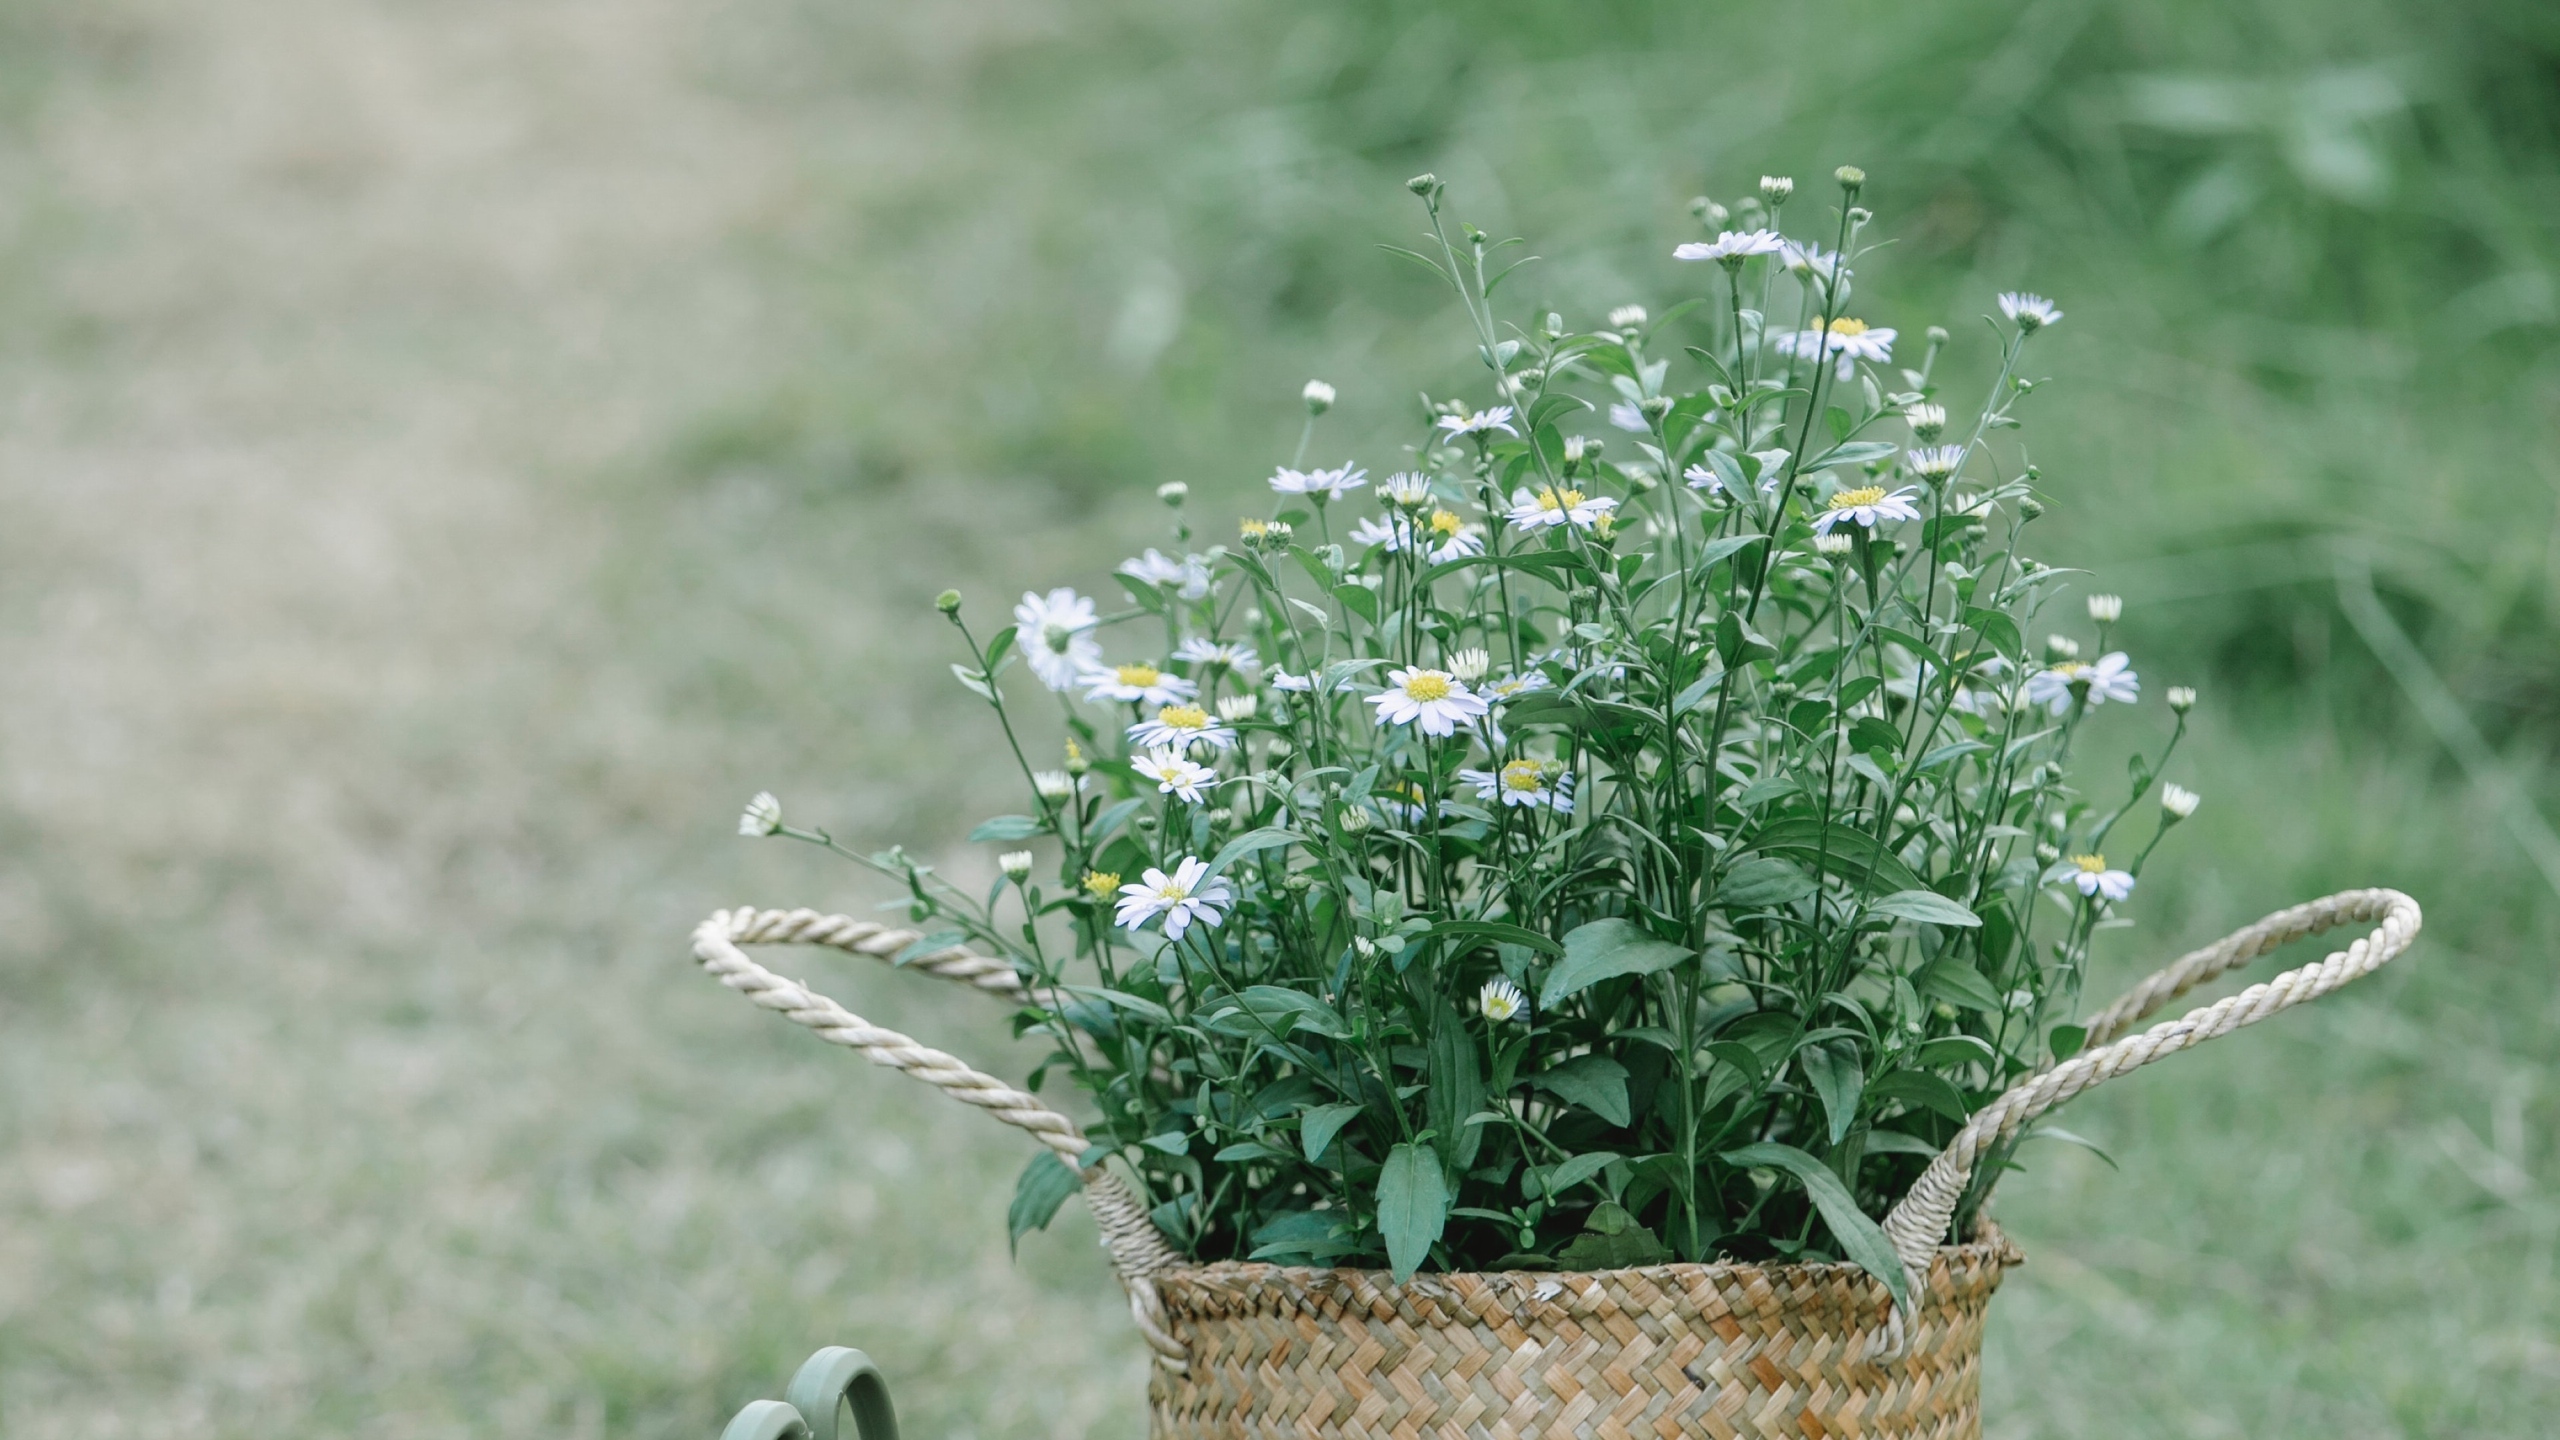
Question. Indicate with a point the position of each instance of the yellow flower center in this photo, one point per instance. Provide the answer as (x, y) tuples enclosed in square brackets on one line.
[(2072, 671), (1852, 499), (1141, 676), (1528, 775), (2090, 864), (1429, 685), (1250, 527), (1101, 884), (1559, 499), (1183, 717), (1846, 326), (1446, 523)]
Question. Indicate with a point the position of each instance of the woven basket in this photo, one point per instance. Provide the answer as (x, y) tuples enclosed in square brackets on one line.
[(1795, 1351)]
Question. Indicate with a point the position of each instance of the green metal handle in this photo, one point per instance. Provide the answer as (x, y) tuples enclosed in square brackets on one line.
[(828, 1381)]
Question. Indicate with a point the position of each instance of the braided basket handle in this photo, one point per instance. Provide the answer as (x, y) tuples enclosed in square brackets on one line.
[(1138, 1250), (1920, 1221)]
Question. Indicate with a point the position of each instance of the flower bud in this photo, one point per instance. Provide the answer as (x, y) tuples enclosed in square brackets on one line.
[(1101, 884), (2182, 698), (1319, 397), (2106, 609), (2031, 507), (1654, 407), (1938, 335), (1926, 421), (948, 602), (1424, 184), (763, 815), (1299, 882), (1850, 178), (1628, 317), (1016, 865), (1553, 329), (1173, 493), (1470, 664), (1709, 213), (2061, 647), (1364, 947), (1355, 820), (2177, 802), (1776, 188), (1077, 764), (1235, 708), (1053, 784), (1834, 544)]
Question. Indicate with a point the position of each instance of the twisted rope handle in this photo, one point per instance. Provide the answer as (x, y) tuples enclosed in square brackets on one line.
[(1920, 1221), (985, 973), (1137, 1249)]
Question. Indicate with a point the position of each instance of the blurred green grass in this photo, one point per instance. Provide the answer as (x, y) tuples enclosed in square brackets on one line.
[(456, 453)]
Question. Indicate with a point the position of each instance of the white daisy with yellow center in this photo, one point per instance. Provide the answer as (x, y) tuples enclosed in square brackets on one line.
[(2094, 879), (1555, 505), (1864, 507), (1849, 338), (1187, 896), (1176, 775), (2112, 678), (1178, 728), (1529, 781), (1136, 684), (1500, 1000), (1435, 700)]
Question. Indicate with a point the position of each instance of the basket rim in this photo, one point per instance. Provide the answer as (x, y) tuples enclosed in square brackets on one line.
[(1991, 1247)]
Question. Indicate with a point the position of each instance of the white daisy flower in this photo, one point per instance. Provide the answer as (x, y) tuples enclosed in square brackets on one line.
[(1865, 506), (1536, 510), (1832, 544), (1235, 709), (1628, 317), (1190, 573), (1176, 775), (1480, 423), (1499, 1000), (1282, 680), (2178, 802), (1935, 462), (1138, 684), (1016, 865), (1809, 262), (1056, 784), (763, 815), (1322, 484), (1387, 532), (2031, 312), (1512, 687), (2182, 698), (1926, 420), (1407, 488), (1450, 537), (1471, 663), (1186, 896), (2109, 679), (2106, 609), (1318, 395), (1435, 699), (1626, 416), (1776, 188), (1534, 783), (1053, 632), (1702, 477), (1201, 650), (1733, 246), (1851, 339), (1179, 727), (2097, 880)]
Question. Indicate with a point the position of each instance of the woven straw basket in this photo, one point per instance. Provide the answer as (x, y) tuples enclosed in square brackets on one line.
[(1725, 1350)]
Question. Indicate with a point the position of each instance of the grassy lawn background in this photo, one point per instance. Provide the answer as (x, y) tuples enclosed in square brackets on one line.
[(453, 454)]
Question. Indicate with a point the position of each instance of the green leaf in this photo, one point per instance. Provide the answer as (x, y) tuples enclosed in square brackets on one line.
[(1919, 1087), (1043, 1186), (1499, 933), (1616, 1249), (1870, 733), (1716, 550), (1604, 950), (1413, 1207), (2056, 1132), (1856, 452), (1360, 600), (976, 682), (1861, 1239), (1009, 827), (1997, 630), (1112, 819), (1269, 837), (996, 647), (1121, 1000), (1594, 1082), (1950, 1050), (1757, 882), (1318, 1126), (1850, 852), (1926, 906), (1894, 1142), (1959, 984), (1552, 1181), (1249, 1150), (1547, 565), (1264, 1010), (1831, 1067), (2066, 1040), (1695, 692), (1456, 1088)]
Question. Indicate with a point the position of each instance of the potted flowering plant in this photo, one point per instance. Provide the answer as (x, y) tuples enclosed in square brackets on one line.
[(1620, 864)]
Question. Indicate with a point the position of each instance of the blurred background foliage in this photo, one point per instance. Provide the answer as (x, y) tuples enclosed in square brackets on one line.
[(454, 453)]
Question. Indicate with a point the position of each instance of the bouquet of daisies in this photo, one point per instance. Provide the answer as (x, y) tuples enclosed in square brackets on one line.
[(1636, 827)]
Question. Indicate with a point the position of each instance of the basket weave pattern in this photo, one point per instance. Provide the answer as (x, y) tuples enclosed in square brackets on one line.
[(1672, 1350)]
